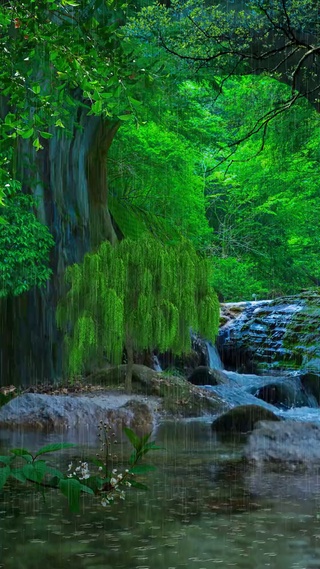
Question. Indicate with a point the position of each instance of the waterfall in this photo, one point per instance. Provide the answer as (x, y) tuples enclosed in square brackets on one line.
[(213, 356), (156, 363)]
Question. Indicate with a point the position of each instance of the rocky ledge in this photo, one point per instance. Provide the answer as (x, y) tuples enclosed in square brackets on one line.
[(103, 398)]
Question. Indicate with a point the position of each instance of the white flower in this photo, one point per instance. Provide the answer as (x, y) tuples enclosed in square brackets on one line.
[(114, 471), (113, 481), (69, 466), (100, 468)]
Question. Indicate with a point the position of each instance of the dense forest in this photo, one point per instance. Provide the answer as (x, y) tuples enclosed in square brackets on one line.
[(189, 124)]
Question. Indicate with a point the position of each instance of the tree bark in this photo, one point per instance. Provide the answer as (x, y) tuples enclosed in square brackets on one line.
[(69, 180)]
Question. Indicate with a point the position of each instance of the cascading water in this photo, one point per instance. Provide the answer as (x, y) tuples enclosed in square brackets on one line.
[(279, 390), (213, 357)]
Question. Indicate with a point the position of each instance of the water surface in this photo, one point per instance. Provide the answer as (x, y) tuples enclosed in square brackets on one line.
[(204, 509)]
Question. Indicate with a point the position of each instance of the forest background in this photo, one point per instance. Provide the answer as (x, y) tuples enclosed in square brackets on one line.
[(181, 120)]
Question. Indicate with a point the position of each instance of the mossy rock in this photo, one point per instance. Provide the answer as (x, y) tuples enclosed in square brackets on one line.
[(113, 376), (242, 419), (180, 398), (204, 375)]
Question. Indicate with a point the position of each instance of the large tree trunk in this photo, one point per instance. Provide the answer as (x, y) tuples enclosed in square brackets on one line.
[(69, 180)]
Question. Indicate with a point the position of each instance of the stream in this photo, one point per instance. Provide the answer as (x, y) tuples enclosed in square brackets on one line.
[(203, 509)]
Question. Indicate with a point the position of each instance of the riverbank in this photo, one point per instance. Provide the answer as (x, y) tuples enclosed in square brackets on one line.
[(102, 396)]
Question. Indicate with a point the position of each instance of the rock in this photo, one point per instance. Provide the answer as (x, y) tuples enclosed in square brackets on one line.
[(283, 391), (115, 375), (204, 375), (56, 412), (242, 419), (282, 334), (290, 445), (310, 378)]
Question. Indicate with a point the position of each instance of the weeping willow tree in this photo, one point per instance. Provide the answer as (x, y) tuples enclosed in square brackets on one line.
[(136, 295)]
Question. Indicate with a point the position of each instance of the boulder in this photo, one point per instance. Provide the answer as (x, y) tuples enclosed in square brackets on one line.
[(310, 378), (204, 375), (242, 419), (58, 412), (290, 445), (113, 376)]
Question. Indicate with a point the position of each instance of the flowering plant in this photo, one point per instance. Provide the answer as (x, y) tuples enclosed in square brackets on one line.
[(105, 482)]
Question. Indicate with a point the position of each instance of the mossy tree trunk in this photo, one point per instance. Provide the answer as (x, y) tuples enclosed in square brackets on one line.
[(69, 179)]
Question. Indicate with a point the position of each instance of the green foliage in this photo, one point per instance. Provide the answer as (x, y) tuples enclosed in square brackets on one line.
[(106, 483), (42, 75), (137, 291), (25, 244), (155, 172), (237, 279), (263, 200)]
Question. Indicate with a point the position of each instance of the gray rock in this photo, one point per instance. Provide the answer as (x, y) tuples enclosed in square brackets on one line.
[(242, 419), (287, 444), (56, 412)]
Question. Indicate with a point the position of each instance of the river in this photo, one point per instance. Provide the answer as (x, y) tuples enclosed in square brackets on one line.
[(204, 509)]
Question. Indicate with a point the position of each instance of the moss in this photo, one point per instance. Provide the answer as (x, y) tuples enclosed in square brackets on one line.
[(303, 330), (180, 398)]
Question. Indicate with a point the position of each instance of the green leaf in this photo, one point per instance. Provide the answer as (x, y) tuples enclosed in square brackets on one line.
[(71, 488), (18, 474), (87, 489), (4, 475), (36, 89), (35, 471), (59, 123), (145, 438), (97, 107), (69, 3), (125, 117), (53, 447), (26, 133), (37, 145), (6, 459), (46, 134), (134, 102), (54, 472), (21, 452), (133, 438), (138, 485)]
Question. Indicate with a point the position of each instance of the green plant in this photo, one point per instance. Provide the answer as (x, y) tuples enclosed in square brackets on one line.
[(106, 482), (25, 244)]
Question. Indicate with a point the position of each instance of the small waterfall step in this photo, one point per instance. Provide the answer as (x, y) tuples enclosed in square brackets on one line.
[(213, 357)]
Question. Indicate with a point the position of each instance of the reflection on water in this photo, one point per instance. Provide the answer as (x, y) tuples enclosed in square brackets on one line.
[(204, 509)]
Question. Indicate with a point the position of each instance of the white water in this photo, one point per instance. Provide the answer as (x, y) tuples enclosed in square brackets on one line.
[(213, 356)]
